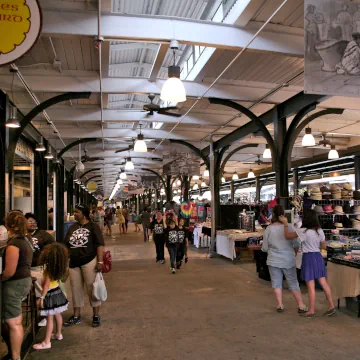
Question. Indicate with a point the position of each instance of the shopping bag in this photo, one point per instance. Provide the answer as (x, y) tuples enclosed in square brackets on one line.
[(107, 260), (99, 288)]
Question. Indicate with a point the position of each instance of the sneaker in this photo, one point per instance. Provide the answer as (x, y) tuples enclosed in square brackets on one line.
[(57, 337), (42, 346), (96, 321), (178, 266), (330, 312), (173, 270), (162, 262), (157, 260), (42, 323), (74, 320)]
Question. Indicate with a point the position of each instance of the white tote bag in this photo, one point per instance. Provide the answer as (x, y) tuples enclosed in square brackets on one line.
[(99, 288)]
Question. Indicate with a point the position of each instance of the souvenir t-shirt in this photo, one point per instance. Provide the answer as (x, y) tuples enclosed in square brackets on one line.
[(40, 239), (183, 235), (83, 241), (172, 236), (25, 257), (157, 229)]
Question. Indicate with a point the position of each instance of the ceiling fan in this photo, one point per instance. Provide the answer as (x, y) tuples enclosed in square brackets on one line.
[(131, 147), (258, 161), (87, 158), (151, 108)]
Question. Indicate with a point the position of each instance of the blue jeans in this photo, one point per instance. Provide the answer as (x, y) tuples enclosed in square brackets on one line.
[(172, 252)]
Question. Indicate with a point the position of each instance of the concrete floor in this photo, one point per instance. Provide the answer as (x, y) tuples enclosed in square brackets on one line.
[(210, 310)]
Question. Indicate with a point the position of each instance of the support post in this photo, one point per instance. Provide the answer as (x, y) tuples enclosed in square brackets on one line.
[(59, 204), (168, 189), (296, 181), (258, 189), (357, 172), (3, 153), (137, 204), (213, 175), (186, 186), (40, 189), (232, 192)]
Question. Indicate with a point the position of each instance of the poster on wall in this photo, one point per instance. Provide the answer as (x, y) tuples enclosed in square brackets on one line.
[(20, 20), (332, 47)]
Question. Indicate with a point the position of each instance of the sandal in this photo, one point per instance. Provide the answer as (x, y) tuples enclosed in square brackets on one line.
[(330, 312), (280, 309), (42, 346), (303, 310), (309, 316), (57, 337)]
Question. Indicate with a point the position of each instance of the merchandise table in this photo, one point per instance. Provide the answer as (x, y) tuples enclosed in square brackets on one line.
[(226, 239)]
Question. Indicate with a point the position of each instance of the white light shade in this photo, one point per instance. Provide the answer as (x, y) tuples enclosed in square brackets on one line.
[(251, 174), (119, 182), (12, 122), (333, 154), (173, 90), (179, 182), (235, 176), (206, 173), (196, 186), (196, 177), (123, 176), (308, 139), (129, 164), (223, 180), (203, 184), (80, 166), (267, 153), (40, 146), (140, 144), (49, 155)]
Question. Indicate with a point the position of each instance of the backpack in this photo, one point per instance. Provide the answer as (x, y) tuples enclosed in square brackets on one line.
[(107, 262)]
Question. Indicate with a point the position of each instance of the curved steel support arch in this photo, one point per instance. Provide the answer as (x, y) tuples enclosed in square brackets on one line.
[(88, 171), (71, 145), (194, 149), (231, 153), (93, 177), (252, 117), (15, 134)]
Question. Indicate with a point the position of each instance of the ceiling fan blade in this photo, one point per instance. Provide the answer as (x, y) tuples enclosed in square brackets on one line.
[(169, 113), (122, 150)]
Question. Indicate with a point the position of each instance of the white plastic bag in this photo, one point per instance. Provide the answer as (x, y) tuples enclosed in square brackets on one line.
[(99, 288)]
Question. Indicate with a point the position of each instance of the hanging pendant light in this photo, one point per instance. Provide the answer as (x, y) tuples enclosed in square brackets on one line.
[(251, 174), (203, 184), (223, 180), (308, 139), (49, 155), (119, 182), (235, 176), (40, 146), (123, 176), (12, 122), (267, 152), (140, 144), (173, 90), (196, 186), (333, 154), (129, 164), (196, 177), (178, 183), (206, 173)]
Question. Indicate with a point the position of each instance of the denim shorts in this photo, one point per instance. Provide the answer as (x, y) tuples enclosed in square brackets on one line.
[(277, 275)]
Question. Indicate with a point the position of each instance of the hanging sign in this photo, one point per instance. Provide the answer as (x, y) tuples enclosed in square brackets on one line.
[(332, 47), (92, 186), (21, 21)]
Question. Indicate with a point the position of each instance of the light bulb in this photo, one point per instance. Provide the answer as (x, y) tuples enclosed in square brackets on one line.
[(267, 153), (235, 176), (333, 154), (206, 173), (140, 144), (40, 146), (119, 182), (123, 176), (223, 180), (129, 164), (251, 174), (178, 182), (308, 139), (196, 186), (203, 184), (173, 90), (13, 122), (49, 155)]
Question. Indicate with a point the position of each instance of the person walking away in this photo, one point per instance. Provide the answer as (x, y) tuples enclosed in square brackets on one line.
[(172, 240), (121, 220), (53, 301), (313, 268), (126, 214), (183, 243), (158, 233), (16, 281), (281, 260), (86, 246), (145, 220), (109, 221), (40, 238)]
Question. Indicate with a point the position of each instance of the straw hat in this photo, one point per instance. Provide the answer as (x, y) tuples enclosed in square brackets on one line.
[(327, 196), (334, 188), (328, 208), (338, 210), (356, 224), (316, 196), (356, 210), (336, 195), (339, 225), (348, 187), (315, 189), (319, 209), (325, 189)]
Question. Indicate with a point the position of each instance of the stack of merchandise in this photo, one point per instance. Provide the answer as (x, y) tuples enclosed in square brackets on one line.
[(315, 193), (326, 193), (356, 223), (335, 192), (346, 192)]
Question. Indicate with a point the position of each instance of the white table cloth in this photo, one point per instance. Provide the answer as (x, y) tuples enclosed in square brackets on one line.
[(225, 246)]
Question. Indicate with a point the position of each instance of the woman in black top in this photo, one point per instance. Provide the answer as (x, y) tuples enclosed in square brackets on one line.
[(157, 228), (172, 240), (86, 246), (183, 243), (16, 281)]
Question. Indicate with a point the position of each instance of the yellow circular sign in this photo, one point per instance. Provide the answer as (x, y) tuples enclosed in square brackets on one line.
[(20, 20), (92, 186)]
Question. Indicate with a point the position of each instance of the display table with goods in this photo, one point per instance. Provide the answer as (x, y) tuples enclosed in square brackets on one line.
[(230, 243)]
